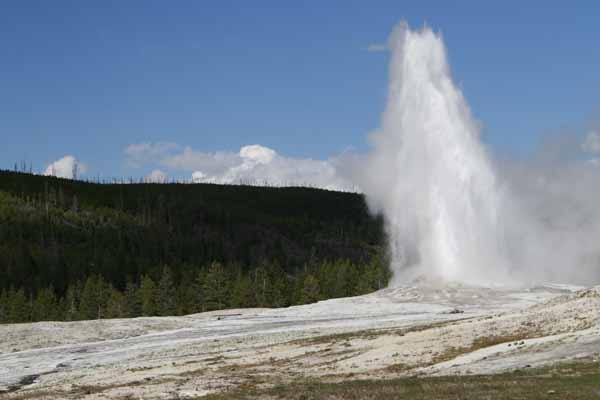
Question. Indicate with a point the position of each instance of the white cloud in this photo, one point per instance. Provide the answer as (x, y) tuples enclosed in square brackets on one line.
[(257, 153), (190, 160), (139, 154), (591, 143), (156, 176), (259, 165), (253, 164), (377, 47), (67, 167)]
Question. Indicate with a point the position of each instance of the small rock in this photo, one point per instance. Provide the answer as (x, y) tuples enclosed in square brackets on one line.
[(551, 392)]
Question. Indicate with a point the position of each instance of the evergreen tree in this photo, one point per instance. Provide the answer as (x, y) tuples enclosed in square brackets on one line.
[(277, 289), (260, 285), (133, 300), (3, 306), (215, 288), (116, 306), (242, 295), (19, 309), (91, 299), (71, 303), (188, 301), (148, 295), (310, 290), (46, 306), (166, 301)]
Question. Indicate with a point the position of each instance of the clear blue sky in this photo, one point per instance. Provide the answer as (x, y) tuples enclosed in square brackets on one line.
[(89, 78)]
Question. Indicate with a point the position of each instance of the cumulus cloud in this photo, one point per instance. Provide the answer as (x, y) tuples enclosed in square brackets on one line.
[(139, 154), (156, 176), (252, 164), (259, 165), (67, 167), (190, 160), (377, 48)]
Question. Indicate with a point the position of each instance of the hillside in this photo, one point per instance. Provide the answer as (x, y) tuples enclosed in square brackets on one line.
[(80, 250)]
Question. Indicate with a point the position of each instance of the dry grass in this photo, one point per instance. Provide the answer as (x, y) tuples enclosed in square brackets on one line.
[(568, 381)]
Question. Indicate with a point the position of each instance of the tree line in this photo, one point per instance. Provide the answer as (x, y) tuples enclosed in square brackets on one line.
[(58, 237), (214, 287)]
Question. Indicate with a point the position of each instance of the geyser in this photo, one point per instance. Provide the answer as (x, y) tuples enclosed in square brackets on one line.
[(430, 175)]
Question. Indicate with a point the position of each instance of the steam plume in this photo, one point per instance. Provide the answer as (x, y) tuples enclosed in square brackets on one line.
[(452, 212)]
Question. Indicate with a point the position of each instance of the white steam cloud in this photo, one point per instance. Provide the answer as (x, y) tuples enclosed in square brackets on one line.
[(453, 213), (591, 144), (67, 167), (377, 48)]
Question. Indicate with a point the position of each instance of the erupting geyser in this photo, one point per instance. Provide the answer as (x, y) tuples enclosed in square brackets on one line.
[(429, 174)]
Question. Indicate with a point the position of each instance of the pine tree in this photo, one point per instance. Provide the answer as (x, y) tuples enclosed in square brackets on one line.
[(166, 301), (71, 303), (116, 306), (148, 295), (277, 290), (133, 300), (188, 301), (89, 305), (46, 306), (310, 290), (215, 288), (3, 306), (260, 285), (242, 295), (19, 309)]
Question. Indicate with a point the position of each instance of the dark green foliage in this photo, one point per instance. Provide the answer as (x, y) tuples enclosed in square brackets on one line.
[(166, 301), (93, 298), (133, 300), (148, 296), (74, 250), (18, 307), (116, 306), (46, 306), (215, 287), (310, 290)]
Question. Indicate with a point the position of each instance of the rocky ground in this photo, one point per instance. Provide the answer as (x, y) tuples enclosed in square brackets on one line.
[(426, 330)]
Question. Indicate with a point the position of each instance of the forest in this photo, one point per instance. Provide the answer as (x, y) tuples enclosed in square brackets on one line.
[(73, 250)]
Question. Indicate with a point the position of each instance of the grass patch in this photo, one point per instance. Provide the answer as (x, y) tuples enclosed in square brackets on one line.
[(370, 334), (566, 381)]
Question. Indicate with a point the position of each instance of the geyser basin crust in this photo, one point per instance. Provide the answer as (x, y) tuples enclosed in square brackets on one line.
[(382, 335)]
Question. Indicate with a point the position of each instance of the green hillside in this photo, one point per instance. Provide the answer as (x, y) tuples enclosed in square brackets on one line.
[(88, 250)]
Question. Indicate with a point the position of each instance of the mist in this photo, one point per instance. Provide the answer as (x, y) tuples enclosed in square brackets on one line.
[(456, 212)]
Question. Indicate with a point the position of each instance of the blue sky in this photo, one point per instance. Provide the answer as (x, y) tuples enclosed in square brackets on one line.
[(91, 78)]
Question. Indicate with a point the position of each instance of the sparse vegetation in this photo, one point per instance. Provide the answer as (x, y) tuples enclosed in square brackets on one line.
[(580, 380)]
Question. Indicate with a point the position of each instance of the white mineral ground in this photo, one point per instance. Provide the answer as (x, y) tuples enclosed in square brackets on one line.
[(390, 333)]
